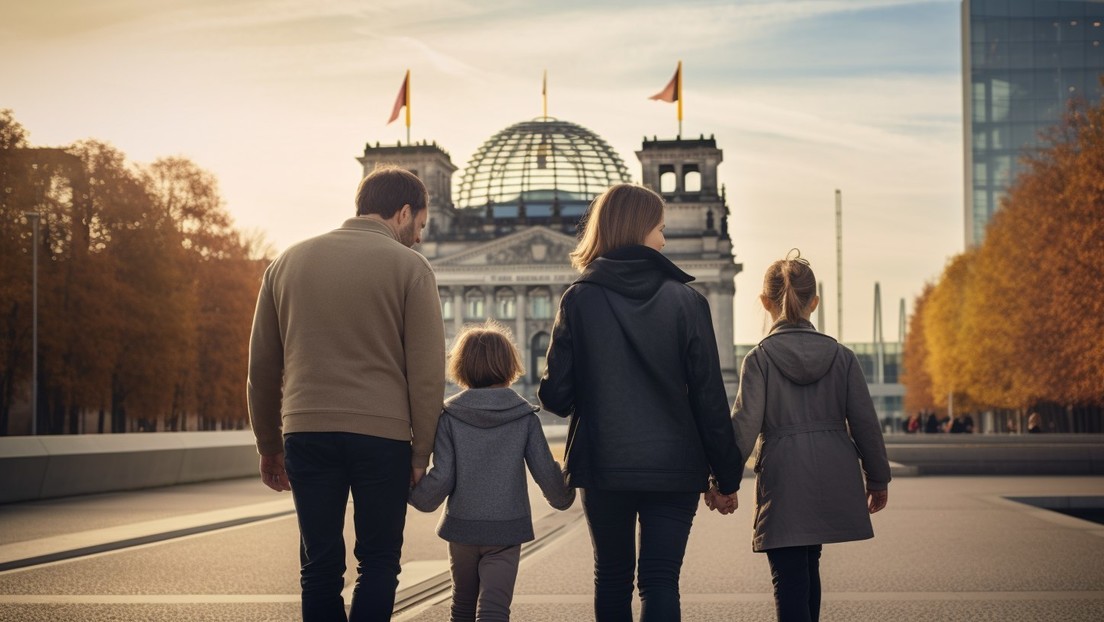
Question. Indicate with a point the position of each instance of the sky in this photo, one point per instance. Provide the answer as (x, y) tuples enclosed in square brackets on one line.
[(277, 98)]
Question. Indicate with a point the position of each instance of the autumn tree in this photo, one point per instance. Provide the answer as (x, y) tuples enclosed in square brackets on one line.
[(146, 289), (914, 375), (1018, 323), (1054, 224), (15, 266), (945, 337), (222, 279)]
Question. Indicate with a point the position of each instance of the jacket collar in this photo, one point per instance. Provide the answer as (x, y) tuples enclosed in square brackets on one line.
[(643, 256), (784, 325), (488, 407), (369, 224)]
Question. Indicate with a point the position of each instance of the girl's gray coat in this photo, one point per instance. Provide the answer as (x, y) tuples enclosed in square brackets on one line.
[(485, 437), (806, 395)]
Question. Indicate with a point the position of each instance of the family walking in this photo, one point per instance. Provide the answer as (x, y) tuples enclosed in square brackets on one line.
[(347, 372)]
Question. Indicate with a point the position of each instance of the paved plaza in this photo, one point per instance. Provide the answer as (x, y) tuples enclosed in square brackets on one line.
[(947, 548)]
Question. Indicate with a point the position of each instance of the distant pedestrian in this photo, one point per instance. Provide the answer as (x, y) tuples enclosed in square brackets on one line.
[(805, 396), (633, 361), (1034, 423), (912, 426), (962, 424), (346, 378), (486, 436), (932, 425)]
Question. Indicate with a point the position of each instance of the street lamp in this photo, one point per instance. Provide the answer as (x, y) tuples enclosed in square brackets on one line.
[(34, 217)]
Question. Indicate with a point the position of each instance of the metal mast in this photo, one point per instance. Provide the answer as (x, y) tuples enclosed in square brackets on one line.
[(839, 266)]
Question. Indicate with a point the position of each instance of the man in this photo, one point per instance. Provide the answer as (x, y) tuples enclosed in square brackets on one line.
[(346, 379)]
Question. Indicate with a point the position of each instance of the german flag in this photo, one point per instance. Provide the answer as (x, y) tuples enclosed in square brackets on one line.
[(403, 100)]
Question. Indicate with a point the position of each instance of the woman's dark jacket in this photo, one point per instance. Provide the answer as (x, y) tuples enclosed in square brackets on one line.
[(633, 361)]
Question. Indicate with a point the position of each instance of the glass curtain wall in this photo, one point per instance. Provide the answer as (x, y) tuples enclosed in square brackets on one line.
[(1026, 60)]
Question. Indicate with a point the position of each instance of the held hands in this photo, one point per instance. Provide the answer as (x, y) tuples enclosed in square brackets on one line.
[(416, 474), (877, 499), (725, 504)]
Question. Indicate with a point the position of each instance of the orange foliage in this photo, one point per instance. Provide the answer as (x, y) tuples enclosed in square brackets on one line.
[(918, 384), (1020, 320), (146, 290)]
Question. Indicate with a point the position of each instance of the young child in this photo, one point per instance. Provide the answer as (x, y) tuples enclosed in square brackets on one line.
[(805, 394), (486, 436)]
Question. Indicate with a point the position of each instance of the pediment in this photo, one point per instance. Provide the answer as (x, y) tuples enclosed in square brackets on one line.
[(535, 245)]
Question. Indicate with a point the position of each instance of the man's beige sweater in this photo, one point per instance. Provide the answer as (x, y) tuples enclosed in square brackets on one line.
[(347, 337)]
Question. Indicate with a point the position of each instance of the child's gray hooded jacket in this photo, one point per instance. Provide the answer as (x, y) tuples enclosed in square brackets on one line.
[(822, 448), (485, 437)]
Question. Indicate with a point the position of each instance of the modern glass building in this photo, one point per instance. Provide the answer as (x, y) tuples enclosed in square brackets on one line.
[(1023, 62)]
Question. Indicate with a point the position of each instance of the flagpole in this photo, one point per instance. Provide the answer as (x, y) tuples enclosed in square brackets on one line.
[(408, 106), (544, 95), (679, 98)]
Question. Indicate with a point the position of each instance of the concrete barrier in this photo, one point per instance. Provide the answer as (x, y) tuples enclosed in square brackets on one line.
[(46, 467), (43, 467), (983, 454)]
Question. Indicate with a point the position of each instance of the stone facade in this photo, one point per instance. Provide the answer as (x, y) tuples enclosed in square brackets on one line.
[(508, 260)]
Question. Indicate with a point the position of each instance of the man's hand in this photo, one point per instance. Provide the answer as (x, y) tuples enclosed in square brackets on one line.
[(273, 474), (416, 474), (877, 499)]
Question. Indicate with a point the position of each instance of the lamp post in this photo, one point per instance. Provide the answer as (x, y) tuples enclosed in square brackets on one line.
[(34, 218)]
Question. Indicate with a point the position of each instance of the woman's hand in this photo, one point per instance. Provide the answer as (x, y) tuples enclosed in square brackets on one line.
[(877, 499), (725, 504)]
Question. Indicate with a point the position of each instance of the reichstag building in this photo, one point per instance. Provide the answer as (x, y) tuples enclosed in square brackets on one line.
[(500, 247)]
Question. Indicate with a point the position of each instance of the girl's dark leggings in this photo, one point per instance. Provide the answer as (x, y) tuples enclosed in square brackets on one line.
[(795, 572)]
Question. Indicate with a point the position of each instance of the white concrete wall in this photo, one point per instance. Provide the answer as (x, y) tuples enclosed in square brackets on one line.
[(42, 467)]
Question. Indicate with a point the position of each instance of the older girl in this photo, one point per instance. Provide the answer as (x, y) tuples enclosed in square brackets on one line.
[(806, 396), (633, 361)]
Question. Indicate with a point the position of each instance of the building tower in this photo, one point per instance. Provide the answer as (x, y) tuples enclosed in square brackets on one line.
[(501, 251), (431, 164), (684, 172)]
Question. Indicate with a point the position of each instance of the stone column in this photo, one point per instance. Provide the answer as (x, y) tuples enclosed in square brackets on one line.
[(520, 336), (488, 301), (457, 309), (721, 303)]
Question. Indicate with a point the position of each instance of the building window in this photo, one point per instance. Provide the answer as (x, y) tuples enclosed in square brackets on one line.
[(540, 303), (667, 180), (538, 357), (505, 304), (473, 305), (446, 304), (691, 181)]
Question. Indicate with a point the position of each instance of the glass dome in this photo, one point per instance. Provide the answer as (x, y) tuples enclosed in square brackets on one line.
[(538, 161)]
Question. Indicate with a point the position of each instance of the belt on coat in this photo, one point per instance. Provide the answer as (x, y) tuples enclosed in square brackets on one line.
[(803, 428)]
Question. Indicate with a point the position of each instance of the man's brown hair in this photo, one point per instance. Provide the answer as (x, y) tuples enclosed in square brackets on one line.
[(387, 189), (484, 356)]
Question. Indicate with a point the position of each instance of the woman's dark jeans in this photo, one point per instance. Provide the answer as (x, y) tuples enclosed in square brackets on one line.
[(665, 520), (323, 468), (795, 572)]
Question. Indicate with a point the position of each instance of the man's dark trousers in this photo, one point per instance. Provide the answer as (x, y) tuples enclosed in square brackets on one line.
[(323, 467)]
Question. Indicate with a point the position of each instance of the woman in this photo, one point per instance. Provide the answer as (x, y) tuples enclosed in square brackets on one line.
[(633, 361), (806, 395)]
